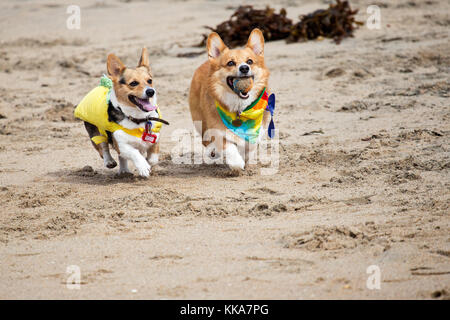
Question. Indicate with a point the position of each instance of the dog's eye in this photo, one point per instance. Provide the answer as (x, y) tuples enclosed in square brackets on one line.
[(231, 63), (149, 81), (134, 83), (249, 61)]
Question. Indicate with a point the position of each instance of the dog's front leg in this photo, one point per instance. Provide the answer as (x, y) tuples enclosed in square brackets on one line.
[(123, 165), (232, 157), (227, 148), (153, 154), (128, 152), (248, 152)]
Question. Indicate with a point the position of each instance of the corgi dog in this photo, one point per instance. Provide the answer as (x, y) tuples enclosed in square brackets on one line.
[(217, 106), (123, 111)]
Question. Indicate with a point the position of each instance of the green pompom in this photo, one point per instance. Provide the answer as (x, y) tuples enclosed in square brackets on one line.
[(106, 82)]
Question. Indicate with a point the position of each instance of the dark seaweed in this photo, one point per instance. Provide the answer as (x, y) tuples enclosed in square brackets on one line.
[(235, 31), (336, 22)]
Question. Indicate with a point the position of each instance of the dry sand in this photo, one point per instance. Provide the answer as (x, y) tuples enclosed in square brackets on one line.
[(370, 187)]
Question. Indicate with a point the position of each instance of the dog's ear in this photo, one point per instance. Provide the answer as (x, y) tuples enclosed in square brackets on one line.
[(114, 66), (143, 61), (215, 46), (256, 42)]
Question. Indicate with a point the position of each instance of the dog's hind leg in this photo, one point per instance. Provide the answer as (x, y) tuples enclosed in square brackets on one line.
[(102, 148), (107, 158)]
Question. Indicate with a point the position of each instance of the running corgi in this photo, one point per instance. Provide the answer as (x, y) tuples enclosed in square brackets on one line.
[(123, 111), (229, 96)]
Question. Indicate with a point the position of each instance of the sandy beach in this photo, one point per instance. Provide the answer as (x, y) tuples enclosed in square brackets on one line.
[(363, 177)]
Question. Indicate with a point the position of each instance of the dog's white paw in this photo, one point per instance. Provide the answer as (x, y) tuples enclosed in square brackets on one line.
[(237, 164), (233, 158), (144, 169), (154, 158)]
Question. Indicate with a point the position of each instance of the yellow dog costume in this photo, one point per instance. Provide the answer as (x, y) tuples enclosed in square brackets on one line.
[(94, 109)]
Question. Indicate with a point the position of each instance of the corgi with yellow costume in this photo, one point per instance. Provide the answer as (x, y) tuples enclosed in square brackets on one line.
[(123, 111)]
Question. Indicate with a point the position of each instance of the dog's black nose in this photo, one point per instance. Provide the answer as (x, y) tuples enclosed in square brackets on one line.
[(244, 68), (149, 92)]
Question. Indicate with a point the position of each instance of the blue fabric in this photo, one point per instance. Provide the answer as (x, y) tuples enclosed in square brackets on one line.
[(271, 108)]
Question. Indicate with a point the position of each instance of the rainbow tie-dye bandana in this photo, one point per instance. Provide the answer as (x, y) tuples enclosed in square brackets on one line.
[(248, 123)]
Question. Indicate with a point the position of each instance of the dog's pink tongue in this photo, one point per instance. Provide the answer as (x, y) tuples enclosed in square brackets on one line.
[(147, 105)]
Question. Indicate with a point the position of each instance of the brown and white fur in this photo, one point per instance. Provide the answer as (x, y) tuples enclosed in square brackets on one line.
[(211, 83), (129, 87)]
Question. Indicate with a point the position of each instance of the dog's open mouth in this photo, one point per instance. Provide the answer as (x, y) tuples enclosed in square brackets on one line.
[(240, 85), (143, 104)]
